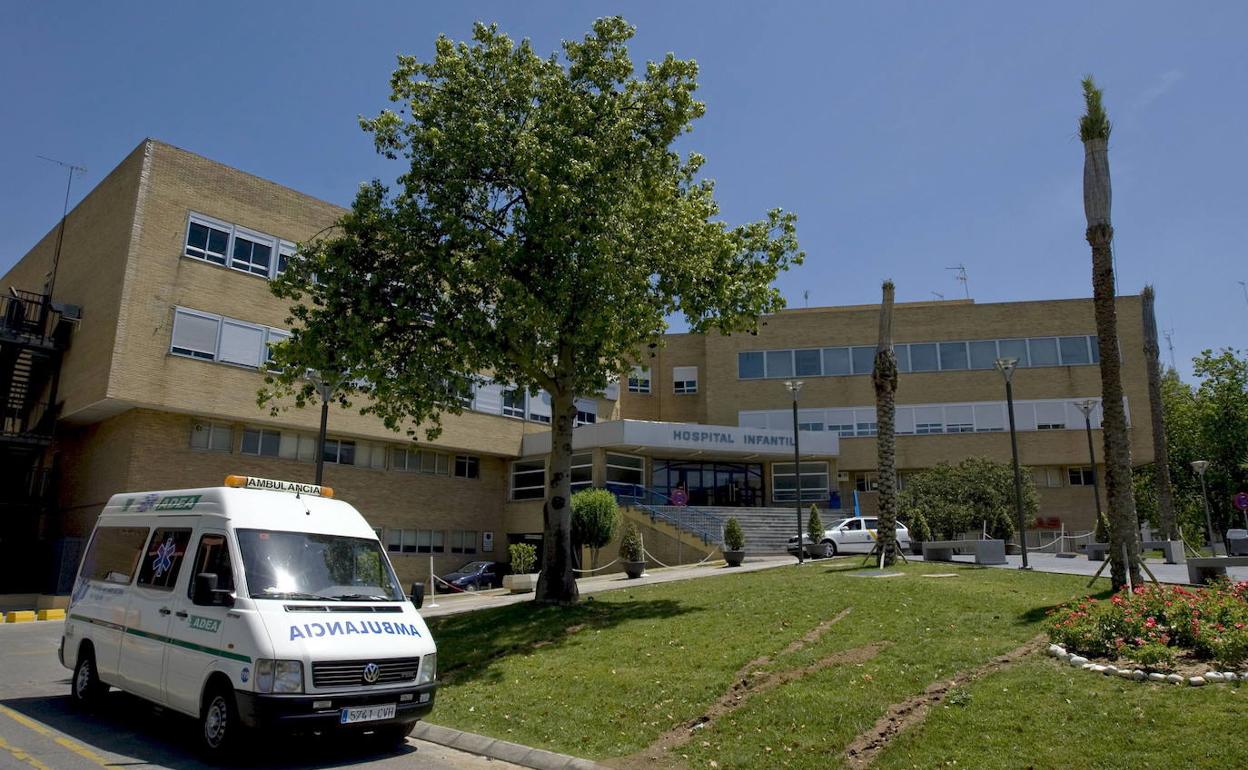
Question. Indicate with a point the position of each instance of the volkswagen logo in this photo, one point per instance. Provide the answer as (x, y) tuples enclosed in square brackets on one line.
[(372, 672)]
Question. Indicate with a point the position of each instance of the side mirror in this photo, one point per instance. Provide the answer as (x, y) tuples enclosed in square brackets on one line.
[(207, 594), (418, 594)]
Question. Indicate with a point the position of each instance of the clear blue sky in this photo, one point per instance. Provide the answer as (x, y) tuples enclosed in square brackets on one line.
[(907, 137)]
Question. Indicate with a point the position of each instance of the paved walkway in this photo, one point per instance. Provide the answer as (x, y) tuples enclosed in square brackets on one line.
[(1047, 562)]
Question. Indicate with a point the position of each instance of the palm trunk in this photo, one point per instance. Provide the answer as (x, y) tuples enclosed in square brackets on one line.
[(557, 583), (1161, 454), (884, 378)]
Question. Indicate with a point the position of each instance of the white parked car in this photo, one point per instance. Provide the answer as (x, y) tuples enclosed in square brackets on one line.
[(858, 535)]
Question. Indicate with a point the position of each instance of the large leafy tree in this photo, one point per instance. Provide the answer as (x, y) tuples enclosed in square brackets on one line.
[(1094, 129), (969, 496), (542, 232)]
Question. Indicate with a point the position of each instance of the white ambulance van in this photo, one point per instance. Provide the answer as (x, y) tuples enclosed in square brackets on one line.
[(260, 604)]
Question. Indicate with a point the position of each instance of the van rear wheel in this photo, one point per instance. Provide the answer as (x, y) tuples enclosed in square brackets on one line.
[(86, 688), (220, 729)]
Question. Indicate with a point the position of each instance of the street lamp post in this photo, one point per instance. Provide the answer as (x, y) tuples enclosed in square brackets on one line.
[(325, 390), (1087, 406), (1006, 366), (1200, 466), (795, 387)]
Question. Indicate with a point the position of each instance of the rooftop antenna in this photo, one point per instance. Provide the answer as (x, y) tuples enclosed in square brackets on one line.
[(70, 169), (1244, 285), (938, 295), (806, 296), (1169, 335), (966, 286)]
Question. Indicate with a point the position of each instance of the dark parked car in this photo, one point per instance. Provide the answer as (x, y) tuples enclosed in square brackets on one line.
[(474, 576)]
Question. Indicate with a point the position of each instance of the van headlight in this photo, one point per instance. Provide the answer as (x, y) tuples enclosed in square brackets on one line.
[(428, 669), (279, 675)]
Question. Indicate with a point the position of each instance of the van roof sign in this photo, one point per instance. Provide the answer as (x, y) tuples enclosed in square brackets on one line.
[(276, 485)]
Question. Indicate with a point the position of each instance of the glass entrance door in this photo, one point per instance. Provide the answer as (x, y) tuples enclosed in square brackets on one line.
[(717, 484)]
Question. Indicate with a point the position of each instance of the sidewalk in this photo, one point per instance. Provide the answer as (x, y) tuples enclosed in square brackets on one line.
[(453, 604), (1047, 562)]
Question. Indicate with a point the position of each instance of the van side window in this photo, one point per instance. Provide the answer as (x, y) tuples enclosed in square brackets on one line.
[(163, 559), (114, 554), (214, 557)]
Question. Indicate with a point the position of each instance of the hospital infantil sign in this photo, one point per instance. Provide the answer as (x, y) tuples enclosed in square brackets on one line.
[(725, 438), (721, 438)]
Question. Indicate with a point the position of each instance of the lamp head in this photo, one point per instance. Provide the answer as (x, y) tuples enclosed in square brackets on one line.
[(1086, 406), (794, 386), (1200, 466), (1006, 366)]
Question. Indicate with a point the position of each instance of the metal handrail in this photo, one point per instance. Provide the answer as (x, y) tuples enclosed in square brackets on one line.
[(707, 526)]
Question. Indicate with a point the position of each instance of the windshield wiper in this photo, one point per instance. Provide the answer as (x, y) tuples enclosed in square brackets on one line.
[(362, 597)]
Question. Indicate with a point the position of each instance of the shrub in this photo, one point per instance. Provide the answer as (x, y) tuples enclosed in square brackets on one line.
[(814, 525), (917, 524), (967, 496), (595, 518), (523, 558), (734, 538), (630, 544)]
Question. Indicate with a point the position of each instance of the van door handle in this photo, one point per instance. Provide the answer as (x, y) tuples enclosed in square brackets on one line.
[(181, 613), (164, 610)]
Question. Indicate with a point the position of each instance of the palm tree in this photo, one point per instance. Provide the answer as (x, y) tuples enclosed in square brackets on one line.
[(1161, 454), (884, 378), (1124, 551)]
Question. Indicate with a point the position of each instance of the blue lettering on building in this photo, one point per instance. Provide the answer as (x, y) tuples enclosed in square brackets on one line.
[(311, 630)]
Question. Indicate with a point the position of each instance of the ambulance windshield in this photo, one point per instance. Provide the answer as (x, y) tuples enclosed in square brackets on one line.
[(301, 565)]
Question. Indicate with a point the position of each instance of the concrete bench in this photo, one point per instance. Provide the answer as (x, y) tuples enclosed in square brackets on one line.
[(1172, 549), (1207, 568), (986, 551)]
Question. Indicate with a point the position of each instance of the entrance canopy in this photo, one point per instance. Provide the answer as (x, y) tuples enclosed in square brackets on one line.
[(681, 439)]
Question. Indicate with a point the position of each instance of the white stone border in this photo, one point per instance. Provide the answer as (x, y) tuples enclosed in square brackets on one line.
[(1140, 675)]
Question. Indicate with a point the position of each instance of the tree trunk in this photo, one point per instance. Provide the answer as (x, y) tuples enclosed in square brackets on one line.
[(557, 583), (1161, 453), (884, 378), (1123, 523)]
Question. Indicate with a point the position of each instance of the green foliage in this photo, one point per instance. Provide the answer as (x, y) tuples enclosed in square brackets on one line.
[(734, 538), (1094, 123), (595, 518), (814, 524), (952, 499), (523, 558), (630, 544), (916, 522)]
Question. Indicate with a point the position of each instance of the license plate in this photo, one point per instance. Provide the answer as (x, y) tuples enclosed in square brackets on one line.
[(366, 714)]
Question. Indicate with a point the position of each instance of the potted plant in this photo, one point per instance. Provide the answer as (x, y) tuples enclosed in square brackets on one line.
[(522, 578), (734, 543), (814, 530), (631, 552)]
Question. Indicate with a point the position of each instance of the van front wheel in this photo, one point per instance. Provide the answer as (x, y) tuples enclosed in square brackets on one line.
[(86, 687), (220, 727)]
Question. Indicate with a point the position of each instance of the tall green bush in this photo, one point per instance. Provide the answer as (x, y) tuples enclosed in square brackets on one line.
[(734, 538), (814, 525), (595, 518), (630, 544)]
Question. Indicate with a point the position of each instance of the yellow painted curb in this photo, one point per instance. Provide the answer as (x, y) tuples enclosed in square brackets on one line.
[(51, 614), (20, 616)]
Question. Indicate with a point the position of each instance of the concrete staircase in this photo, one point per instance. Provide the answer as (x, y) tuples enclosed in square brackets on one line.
[(767, 530)]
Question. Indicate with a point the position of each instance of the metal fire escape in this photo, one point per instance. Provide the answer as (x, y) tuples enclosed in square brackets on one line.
[(34, 334)]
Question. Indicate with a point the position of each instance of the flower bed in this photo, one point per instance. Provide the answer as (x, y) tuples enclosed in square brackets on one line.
[(1159, 628)]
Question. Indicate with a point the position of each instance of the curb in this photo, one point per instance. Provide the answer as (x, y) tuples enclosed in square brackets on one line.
[(539, 759)]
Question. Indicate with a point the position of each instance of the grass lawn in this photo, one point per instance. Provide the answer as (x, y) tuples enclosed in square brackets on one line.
[(609, 678)]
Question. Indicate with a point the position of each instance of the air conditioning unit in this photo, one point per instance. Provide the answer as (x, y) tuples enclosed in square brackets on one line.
[(842, 475)]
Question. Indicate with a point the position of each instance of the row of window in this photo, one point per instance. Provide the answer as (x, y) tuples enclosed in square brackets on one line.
[(977, 417), (1075, 476), (918, 357), (289, 445), (528, 477), (496, 398), (217, 338), (236, 247), (430, 540), (115, 553)]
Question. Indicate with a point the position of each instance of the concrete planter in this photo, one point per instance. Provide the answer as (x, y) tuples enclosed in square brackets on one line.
[(634, 569), (520, 584), (916, 547), (734, 558)]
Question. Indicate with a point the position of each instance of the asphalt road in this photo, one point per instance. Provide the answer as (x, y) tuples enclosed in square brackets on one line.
[(41, 730)]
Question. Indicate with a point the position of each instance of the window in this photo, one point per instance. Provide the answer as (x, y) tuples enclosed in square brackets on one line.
[(1094, 346), (903, 357), (275, 337), (252, 253), (1014, 349), (582, 471), (427, 541), (751, 365), (285, 252), (836, 361), (207, 240), (463, 541), (684, 380), (811, 426), (261, 441), (814, 482), (164, 558), (212, 436), (929, 420), (195, 334), (338, 451), (1043, 351), (923, 358), (586, 412), (539, 407), (808, 363), (841, 422), (467, 467), (867, 481), (1051, 415), (779, 363), (953, 356), (639, 380), (114, 554), (297, 446), (959, 419), (989, 417), (863, 359), (1074, 350), (625, 469), (528, 479), (241, 343), (1081, 477), (401, 540), (420, 461), (983, 354), (513, 402), (212, 557)]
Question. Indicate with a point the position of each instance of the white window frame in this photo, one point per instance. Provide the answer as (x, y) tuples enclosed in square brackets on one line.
[(470, 462), (808, 490), (212, 428), (215, 224), (639, 380), (682, 383), (278, 247), (264, 432), (202, 355)]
